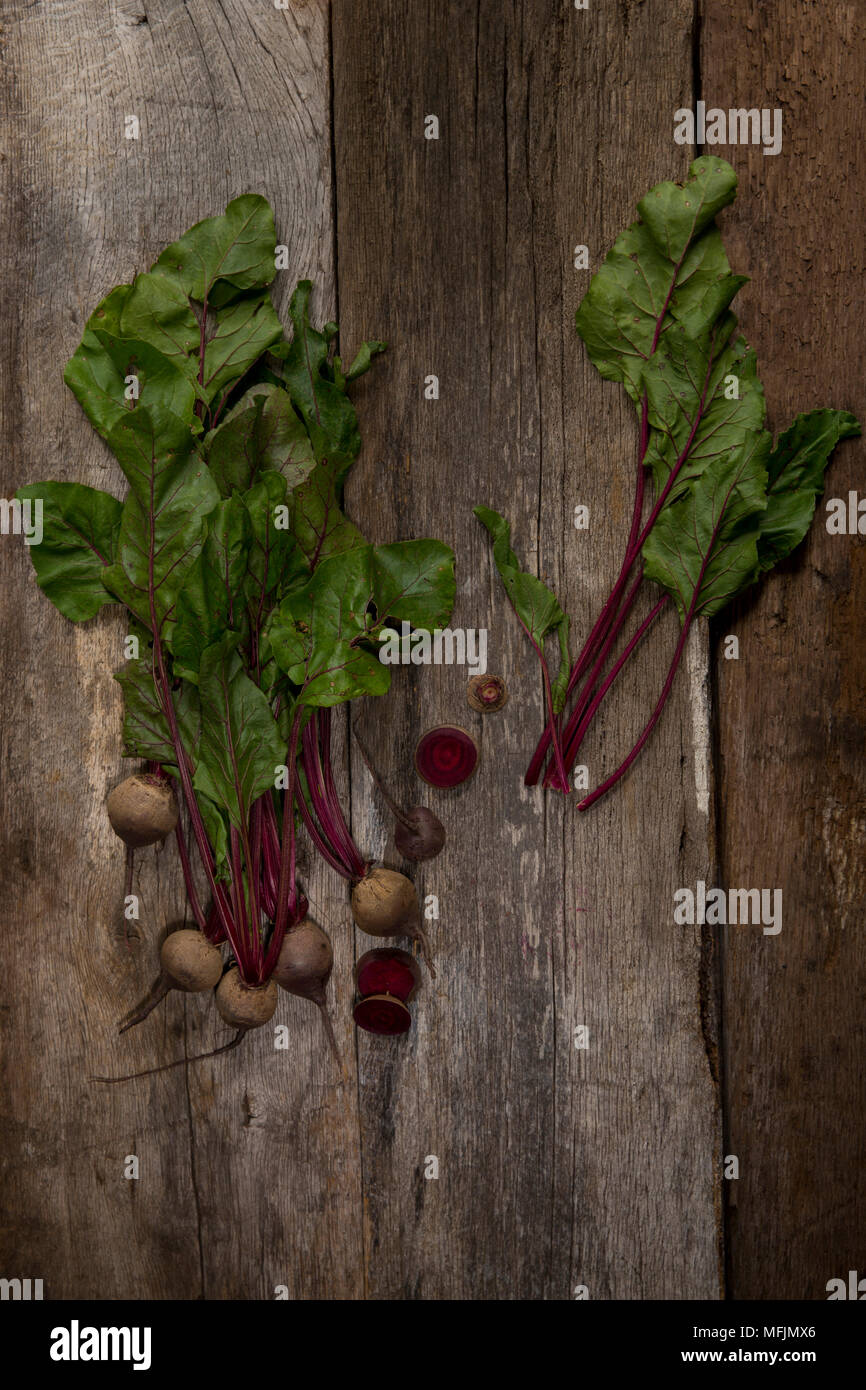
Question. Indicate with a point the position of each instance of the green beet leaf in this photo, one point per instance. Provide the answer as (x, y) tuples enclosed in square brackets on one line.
[(100, 369), (704, 549), (159, 313), (237, 247), (318, 392), (413, 582), (263, 431), (146, 731), (321, 633), (361, 363), (318, 523), (317, 635), (234, 254), (704, 399), (80, 528), (536, 607), (668, 268), (146, 735), (90, 373), (243, 332), (325, 409), (728, 506), (212, 599), (162, 524), (275, 563), (796, 479), (240, 745)]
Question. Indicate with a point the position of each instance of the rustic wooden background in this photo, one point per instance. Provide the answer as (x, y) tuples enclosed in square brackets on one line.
[(557, 1167)]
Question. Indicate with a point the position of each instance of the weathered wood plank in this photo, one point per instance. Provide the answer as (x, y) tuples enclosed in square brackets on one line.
[(557, 1167), (248, 1177), (792, 708)]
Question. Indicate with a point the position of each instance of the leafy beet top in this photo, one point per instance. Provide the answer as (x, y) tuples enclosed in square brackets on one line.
[(256, 602), (726, 504)]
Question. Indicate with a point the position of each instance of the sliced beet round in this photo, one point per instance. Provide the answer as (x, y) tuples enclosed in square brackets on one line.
[(388, 970), (487, 693), (446, 756), (382, 1013)]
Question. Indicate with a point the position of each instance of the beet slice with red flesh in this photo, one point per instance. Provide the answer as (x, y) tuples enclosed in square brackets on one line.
[(388, 971), (383, 1014), (446, 756)]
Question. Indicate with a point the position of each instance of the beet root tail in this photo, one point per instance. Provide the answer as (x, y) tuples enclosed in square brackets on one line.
[(329, 1034), (147, 1005), (421, 937), (181, 1061)]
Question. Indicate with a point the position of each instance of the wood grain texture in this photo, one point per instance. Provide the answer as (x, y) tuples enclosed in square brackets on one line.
[(792, 711), (558, 1167), (248, 1175)]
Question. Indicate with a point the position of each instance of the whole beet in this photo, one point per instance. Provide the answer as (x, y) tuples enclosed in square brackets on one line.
[(419, 833), (188, 962), (244, 1006), (142, 809), (303, 968), (385, 903)]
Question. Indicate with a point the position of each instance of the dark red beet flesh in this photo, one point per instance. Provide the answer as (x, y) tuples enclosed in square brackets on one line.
[(446, 756), (382, 1013), (388, 971)]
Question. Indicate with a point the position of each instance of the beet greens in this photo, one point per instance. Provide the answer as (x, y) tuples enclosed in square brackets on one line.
[(725, 506), (256, 603)]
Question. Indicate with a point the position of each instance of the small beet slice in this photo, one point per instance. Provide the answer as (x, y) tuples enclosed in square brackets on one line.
[(487, 693), (446, 756), (388, 971), (383, 1014)]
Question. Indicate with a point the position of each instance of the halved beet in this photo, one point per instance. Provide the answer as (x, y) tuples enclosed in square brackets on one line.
[(382, 1013), (388, 970), (446, 756)]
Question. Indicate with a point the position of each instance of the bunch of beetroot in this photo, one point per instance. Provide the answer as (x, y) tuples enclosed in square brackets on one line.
[(254, 604)]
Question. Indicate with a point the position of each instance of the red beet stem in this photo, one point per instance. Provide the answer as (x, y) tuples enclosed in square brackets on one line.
[(608, 612), (615, 670), (648, 727)]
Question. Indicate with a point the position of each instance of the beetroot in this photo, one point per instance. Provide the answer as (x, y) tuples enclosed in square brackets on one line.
[(419, 833), (388, 970), (382, 1013), (304, 967), (446, 756), (189, 962), (142, 809), (245, 1006), (487, 693), (385, 903)]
